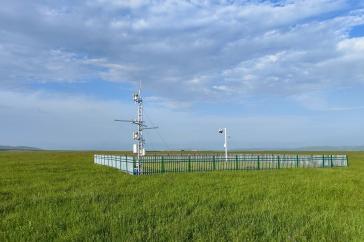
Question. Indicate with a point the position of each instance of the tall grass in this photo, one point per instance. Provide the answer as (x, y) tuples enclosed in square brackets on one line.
[(48, 196)]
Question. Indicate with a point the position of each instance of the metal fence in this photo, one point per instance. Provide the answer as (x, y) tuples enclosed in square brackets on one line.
[(123, 163), (200, 163)]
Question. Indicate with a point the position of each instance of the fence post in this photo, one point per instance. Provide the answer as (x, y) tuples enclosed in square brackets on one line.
[(332, 165), (162, 164), (126, 160), (323, 160), (258, 163), (279, 162), (347, 160), (236, 162), (189, 163), (214, 162), (297, 162), (134, 166)]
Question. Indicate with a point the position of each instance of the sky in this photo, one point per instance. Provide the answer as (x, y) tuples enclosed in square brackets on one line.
[(276, 74)]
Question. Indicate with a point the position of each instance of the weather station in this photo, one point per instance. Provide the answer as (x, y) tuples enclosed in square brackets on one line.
[(139, 146), (142, 164), (224, 132)]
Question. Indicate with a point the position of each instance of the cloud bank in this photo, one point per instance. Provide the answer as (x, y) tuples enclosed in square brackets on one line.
[(189, 54)]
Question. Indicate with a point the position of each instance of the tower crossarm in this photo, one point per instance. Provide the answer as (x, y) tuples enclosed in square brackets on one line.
[(155, 127), (130, 121)]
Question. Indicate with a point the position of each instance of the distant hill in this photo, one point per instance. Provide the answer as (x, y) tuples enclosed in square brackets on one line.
[(4, 147)]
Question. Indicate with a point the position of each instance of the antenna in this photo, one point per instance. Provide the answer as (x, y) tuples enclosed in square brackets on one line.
[(138, 148)]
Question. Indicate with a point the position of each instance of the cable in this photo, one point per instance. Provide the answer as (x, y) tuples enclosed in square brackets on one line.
[(158, 133)]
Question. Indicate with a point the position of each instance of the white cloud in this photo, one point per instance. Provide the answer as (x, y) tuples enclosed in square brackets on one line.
[(244, 46), (352, 46), (185, 51), (20, 64), (120, 3)]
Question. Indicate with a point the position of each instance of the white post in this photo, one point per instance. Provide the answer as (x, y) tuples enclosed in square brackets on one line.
[(225, 145)]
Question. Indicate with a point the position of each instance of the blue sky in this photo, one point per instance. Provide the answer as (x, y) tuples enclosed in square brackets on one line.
[(277, 74)]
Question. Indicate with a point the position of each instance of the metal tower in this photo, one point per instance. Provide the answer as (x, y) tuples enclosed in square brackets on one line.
[(138, 148)]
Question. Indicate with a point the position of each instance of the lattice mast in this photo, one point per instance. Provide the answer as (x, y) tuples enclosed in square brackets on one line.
[(138, 135), (138, 148)]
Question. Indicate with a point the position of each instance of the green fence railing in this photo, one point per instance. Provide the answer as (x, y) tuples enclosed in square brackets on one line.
[(200, 163)]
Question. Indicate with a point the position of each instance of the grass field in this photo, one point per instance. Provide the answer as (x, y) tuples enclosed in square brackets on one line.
[(48, 196)]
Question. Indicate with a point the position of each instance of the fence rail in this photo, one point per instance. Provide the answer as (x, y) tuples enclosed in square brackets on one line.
[(200, 163)]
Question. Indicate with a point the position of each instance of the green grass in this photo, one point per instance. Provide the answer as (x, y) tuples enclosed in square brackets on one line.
[(48, 196)]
